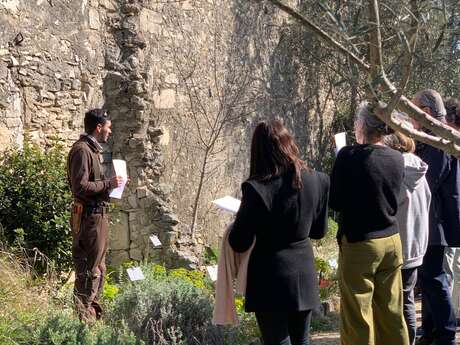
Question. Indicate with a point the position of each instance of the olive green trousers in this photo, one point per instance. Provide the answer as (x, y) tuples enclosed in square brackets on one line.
[(371, 311)]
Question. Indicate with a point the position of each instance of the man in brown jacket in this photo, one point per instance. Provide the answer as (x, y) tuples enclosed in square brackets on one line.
[(90, 189)]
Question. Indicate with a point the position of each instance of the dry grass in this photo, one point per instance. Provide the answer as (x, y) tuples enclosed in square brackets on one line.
[(22, 300)]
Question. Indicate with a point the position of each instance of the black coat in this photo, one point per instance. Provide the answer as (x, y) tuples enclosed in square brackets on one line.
[(281, 269), (443, 177)]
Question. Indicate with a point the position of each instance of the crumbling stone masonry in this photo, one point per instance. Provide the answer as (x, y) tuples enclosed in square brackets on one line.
[(160, 67), (58, 59), (144, 210)]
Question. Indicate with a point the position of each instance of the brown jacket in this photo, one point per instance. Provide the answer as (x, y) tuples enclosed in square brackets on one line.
[(85, 175)]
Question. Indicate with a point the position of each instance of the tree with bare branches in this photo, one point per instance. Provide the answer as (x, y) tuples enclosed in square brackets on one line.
[(365, 49), (218, 96)]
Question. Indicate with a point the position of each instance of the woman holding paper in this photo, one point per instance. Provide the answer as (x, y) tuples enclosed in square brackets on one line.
[(284, 204), (365, 186)]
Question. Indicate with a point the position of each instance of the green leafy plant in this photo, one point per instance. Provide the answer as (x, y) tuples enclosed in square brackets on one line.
[(110, 291), (34, 201), (172, 307), (211, 256)]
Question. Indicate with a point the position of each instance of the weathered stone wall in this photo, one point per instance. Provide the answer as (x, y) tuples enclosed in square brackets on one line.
[(184, 83)]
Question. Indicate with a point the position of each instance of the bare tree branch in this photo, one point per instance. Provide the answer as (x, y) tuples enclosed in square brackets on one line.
[(449, 138)]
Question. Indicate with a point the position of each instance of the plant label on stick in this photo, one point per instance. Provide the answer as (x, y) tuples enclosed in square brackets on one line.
[(212, 272), (135, 273), (155, 241)]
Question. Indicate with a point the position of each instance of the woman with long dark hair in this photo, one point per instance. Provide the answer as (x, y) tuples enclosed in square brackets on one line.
[(284, 203)]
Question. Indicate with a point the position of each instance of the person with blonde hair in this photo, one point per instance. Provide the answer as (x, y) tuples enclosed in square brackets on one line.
[(413, 221)]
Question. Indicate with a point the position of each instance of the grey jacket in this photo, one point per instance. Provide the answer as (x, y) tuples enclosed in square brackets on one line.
[(413, 211)]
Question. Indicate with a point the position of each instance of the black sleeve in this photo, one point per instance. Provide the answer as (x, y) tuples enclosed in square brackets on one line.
[(439, 166), (337, 183), (320, 224), (252, 210), (450, 197)]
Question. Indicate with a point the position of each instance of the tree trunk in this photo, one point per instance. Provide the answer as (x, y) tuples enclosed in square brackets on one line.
[(198, 192)]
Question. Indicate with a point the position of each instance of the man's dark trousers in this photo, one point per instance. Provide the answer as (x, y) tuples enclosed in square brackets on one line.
[(438, 318), (89, 249)]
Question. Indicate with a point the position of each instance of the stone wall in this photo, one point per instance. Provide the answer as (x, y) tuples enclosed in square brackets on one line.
[(184, 83)]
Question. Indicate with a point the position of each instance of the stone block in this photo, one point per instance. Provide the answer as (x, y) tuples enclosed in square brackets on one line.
[(142, 192), (150, 21), (165, 99), (76, 84), (93, 17), (117, 257), (5, 137), (187, 5), (132, 200), (132, 216), (171, 236), (169, 219), (108, 5), (135, 253), (11, 5), (13, 122), (172, 79), (138, 102), (164, 139)]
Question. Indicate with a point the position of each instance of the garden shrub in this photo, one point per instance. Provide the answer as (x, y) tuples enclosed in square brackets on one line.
[(34, 201), (172, 307), (65, 329), (38, 312)]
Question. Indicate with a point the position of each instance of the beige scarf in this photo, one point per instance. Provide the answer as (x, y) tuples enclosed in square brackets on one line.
[(231, 266)]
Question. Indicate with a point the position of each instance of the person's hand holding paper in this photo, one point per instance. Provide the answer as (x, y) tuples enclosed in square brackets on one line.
[(116, 181), (340, 141), (121, 178)]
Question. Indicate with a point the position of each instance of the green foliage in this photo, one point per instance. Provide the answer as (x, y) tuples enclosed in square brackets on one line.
[(65, 329), (172, 307), (32, 314), (110, 291), (328, 279), (322, 266), (324, 323), (248, 320), (196, 278), (34, 201), (211, 256), (331, 234)]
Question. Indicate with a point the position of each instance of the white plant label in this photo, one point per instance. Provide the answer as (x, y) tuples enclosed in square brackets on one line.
[(212, 272), (155, 241), (135, 273)]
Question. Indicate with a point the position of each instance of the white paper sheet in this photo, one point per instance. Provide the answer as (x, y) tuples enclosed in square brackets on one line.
[(212, 272), (155, 241), (333, 263), (228, 203), (120, 170), (340, 141), (135, 273)]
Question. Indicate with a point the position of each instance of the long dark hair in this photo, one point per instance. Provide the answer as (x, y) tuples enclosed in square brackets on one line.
[(274, 152)]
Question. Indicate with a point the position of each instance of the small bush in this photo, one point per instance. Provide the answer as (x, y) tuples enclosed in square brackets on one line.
[(40, 313), (34, 201), (171, 307), (65, 329)]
